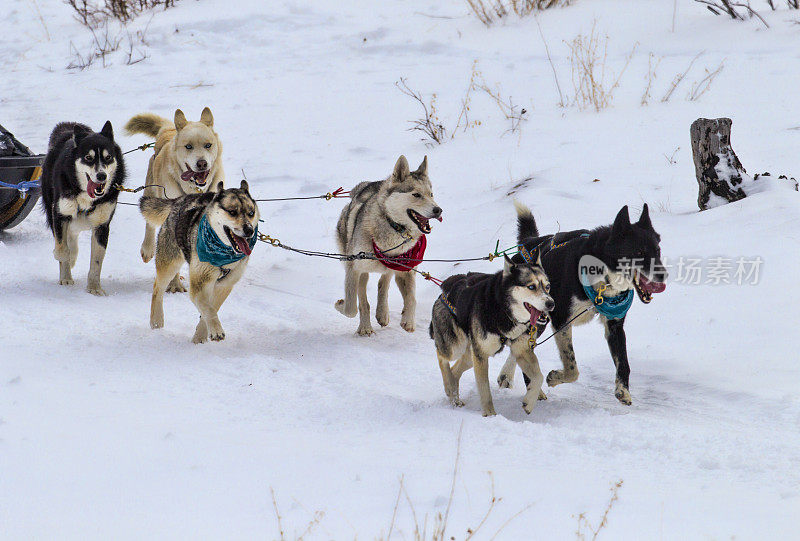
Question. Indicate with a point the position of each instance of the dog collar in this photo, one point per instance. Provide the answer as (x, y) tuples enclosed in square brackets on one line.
[(211, 249), (611, 307), (400, 228)]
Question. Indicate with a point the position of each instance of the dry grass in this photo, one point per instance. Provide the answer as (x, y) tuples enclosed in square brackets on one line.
[(594, 83), (491, 11), (584, 524)]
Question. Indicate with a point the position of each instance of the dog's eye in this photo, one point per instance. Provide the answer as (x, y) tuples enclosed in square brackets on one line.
[(417, 195), (547, 288), (207, 145), (189, 147), (88, 158), (251, 213), (233, 212), (532, 287)]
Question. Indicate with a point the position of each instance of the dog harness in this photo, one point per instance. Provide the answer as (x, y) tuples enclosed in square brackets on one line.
[(405, 261), (211, 249)]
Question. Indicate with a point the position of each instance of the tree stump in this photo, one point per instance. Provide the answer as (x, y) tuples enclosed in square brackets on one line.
[(719, 172)]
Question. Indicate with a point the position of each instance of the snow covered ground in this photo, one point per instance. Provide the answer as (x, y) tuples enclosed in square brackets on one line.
[(109, 429)]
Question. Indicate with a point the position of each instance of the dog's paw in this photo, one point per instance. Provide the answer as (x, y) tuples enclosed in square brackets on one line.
[(554, 378), (504, 381), (66, 282), (623, 395), (408, 326), (542, 396), (199, 338), (147, 253), (340, 306), (528, 407), (457, 402), (96, 291), (365, 331), (157, 322), (489, 411), (217, 336), (176, 286)]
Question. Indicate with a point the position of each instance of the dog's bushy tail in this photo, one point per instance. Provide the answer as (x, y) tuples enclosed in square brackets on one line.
[(526, 225), (155, 209), (147, 123)]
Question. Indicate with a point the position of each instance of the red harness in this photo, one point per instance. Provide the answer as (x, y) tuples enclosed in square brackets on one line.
[(403, 262)]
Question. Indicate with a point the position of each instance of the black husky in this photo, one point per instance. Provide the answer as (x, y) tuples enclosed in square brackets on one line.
[(80, 176), (478, 313), (631, 257)]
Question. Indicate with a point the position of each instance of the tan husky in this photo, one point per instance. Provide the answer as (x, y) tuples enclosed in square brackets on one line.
[(187, 159)]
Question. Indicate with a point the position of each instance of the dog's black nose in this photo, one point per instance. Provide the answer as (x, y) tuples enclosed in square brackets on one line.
[(202, 164), (101, 176), (549, 305), (437, 211), (248, 230)]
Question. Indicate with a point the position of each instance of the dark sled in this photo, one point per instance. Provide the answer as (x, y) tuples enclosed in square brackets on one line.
[(18, 167)]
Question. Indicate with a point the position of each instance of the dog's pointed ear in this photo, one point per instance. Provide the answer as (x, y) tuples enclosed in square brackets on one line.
[(218, 193), (107, 131), (180, 120), (644, 219), (622, 222), (401, 170), (207, 118), (423, 167), (538, 258), (79, 133), (244, 186), (507, 265)]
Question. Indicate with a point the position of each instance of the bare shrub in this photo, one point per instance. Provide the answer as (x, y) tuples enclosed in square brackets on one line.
[(93, 13), (731, 9), (429, 124), (105, 42), (433, 127), (589, 58), (491, 11)]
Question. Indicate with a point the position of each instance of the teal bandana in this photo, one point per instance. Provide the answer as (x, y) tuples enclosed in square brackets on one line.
[(611, 307), (210, 249)]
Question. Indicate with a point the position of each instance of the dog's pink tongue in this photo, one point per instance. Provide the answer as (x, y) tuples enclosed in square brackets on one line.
[(534, 314), (187, 175), (242, 244), (651, 287), (91, 188)]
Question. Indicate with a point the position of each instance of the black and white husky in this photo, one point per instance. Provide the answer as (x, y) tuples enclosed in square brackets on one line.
[(478, 314), (388, 218), (630, 258), (80, 176)]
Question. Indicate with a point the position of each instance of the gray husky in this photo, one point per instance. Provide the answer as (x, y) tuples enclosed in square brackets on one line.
[(389, 218), (478, 314), (215, 233)]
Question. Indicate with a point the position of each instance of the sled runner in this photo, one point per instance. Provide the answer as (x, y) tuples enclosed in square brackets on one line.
[(20, 170)]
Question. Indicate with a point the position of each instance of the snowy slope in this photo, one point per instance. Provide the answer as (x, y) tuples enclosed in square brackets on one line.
[(110, 429)]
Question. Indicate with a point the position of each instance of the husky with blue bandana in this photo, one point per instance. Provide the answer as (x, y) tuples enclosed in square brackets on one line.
[(214, 233)]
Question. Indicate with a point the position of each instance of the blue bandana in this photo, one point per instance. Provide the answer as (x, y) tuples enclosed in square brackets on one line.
[(210, 249), (611, 307)]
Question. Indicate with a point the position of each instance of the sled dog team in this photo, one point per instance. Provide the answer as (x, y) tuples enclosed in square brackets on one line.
[(214, 229)]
